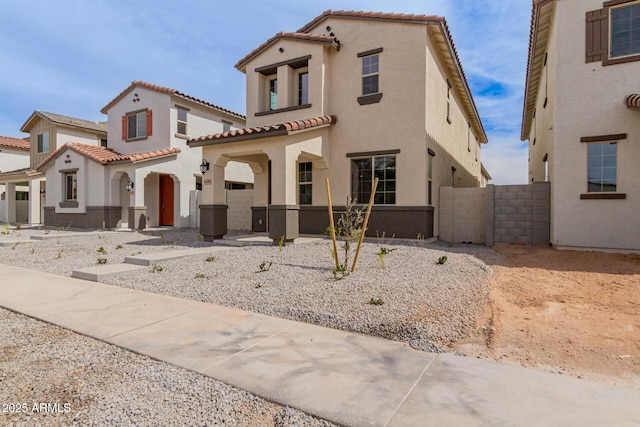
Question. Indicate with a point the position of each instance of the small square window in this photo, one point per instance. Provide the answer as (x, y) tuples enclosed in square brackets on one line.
[(43, 142), (182, 121), (137, 125)]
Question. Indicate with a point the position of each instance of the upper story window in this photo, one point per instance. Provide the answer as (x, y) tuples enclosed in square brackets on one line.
[(137, 125), (103, 142), (303, 88), (43, 142), (602, 167), (625, 30), (273, 94), (370, 69), (613, 32), (226, 126), (182, 120)]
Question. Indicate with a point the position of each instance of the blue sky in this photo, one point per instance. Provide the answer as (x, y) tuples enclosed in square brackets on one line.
[(73, 56)]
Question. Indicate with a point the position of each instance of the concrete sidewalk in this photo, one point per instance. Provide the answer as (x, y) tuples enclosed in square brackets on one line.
[(347, 378)]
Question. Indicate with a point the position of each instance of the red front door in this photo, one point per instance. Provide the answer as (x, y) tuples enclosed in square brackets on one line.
[(166, 200)]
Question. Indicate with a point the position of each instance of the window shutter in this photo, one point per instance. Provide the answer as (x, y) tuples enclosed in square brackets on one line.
[(124, 128), (597, 43), (149, 122)]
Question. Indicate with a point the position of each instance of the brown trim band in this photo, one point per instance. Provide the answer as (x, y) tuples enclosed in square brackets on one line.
[(369, 52), (294, 63), (431, 152), (370, 99), (622, 60), (69, 204), (603, 196), (615, 2), (69, 170), (546, 156), (282, 110), (373, 153), (602, 138)]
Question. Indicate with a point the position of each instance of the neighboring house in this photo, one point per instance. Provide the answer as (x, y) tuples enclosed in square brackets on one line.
[(350, 96), (485, 177), (143, 176), (47, 132), (14, 158), (582, 120)]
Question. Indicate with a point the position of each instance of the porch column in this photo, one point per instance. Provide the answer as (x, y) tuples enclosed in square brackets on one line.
[(283, 210), (4, 213), (213, 210), (34, 201), (10, 199), (137, 209)]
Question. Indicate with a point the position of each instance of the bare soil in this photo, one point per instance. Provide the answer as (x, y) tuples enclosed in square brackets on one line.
[(575, 313)]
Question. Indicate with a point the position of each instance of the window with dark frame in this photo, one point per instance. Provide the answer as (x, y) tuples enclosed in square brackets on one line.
[(226, 126), (625, 30), (182, 121), (303, 88), (370, 70), (363, 172), (273, 94), (430, 180), (602, 167), (305, 179), (71, 186), (613, 33), (43, 142), (137, 125)]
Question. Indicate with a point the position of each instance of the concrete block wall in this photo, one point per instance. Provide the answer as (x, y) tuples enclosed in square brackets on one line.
[(239, 204), (463, 215), (521, 213), (517, 214)]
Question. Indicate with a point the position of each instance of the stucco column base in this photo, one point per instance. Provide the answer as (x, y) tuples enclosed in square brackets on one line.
[(213, 221), (137, 217), (258, 219), (283, 221)]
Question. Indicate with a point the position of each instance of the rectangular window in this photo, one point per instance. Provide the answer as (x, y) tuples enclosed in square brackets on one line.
[(137, 125), (305, 177), (226, 126), (182, 121), (625, 31), (370, 66), (602, 167), (430, 180), (43, 142), (103, 142), (363, 172), (273, 94), (448, 102), (71, 186), (303, 88)]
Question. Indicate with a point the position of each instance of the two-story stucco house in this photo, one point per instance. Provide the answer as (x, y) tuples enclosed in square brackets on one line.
[(582, 120), (47, 132), (143, 176), (350, 96), (14, 159)]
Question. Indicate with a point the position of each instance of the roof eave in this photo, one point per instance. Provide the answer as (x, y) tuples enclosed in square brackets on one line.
[(218, 141)]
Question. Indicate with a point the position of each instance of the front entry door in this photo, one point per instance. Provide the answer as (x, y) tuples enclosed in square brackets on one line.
[(166, 200)]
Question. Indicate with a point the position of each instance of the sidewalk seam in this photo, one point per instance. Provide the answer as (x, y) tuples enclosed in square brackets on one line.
[(245, 349), (415, 384), (149, 324)]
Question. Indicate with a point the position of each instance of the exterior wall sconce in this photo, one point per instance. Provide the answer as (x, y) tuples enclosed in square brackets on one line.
[(204, 166), (129, 186)]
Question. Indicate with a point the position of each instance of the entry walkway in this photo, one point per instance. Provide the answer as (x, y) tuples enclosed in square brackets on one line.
[(347, 378)]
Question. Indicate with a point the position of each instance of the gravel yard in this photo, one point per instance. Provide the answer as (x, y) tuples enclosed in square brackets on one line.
[(419, 301), (102, 384)]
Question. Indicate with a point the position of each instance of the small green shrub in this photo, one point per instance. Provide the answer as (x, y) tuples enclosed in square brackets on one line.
[(258, 286), (340, 272), (383, 252), (18, 226), (200, 276), (375, 301), (101, 250), (155, 268), (102, 261), (32, 251), (210, 259), (265, 266), (442, 259), (119, 247), (281, 244)]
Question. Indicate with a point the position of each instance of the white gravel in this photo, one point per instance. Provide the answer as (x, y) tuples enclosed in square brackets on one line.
[(104, 385)]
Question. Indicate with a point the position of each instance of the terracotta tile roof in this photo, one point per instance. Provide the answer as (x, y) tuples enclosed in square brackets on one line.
[(105, 155), (399, 17), (64, 120), (313, 38), (174, 92), (633, 100), (15, 143), (263, 131)]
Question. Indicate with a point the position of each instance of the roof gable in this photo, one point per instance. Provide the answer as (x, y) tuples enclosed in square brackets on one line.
[(105, 155), (168, 91), (62, 120)]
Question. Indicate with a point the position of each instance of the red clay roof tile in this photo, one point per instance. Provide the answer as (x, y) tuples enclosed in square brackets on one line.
[(15, 143)]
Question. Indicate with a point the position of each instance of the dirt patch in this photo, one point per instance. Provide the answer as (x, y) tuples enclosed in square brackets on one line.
[(568, 312)]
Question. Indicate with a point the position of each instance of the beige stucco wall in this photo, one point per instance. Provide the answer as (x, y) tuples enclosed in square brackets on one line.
[(11, 159), (587, 100), (66, 135), (411, 116)]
